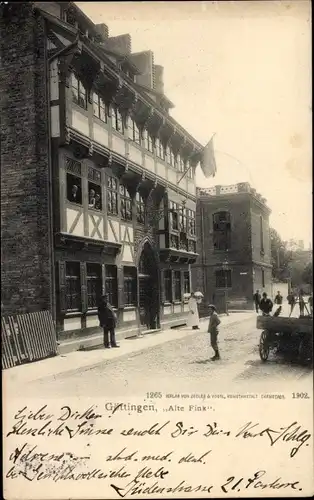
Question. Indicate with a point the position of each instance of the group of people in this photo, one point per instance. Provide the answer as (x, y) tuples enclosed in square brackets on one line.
[(264, 304)]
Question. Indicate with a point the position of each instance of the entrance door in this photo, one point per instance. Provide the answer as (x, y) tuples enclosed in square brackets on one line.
[(148, 289)]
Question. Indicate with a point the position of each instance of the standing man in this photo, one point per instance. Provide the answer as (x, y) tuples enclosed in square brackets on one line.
[(108, 321), (291, 301), (257, 298), (310, 303), (278, 299), (266, 305), (193, 318), (301, 302), (214, 321)]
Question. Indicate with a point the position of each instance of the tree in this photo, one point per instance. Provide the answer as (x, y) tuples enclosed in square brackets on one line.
[(280, 256), (307, 275)]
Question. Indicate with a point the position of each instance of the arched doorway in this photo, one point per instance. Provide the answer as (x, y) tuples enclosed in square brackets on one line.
[(148, 288)]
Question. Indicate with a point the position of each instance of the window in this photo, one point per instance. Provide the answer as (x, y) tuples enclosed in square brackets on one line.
[(130, 286), (173, 216), (112, 195), (134, 131), (160, 150), (148, 141), (125, 203), (180, 164), (111, 285), (140, 209), (261, 229), (182, 220), (94, 285), (94, 189), (191, 223), (223, 278), (190, 171), (263, 278), (170, 156), (79, 95), (74, 180), (99, 107), (221, 231), (186, 282), (117, 120), (73, 286), (168, 286), (177, 285)]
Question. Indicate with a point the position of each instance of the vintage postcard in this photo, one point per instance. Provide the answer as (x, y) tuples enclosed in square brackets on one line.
[(156, 233)]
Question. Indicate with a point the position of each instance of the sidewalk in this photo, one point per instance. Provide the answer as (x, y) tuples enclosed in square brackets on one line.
[(79, 360)]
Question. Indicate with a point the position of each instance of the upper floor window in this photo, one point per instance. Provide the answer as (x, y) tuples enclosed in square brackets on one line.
[(148, 141), (222, 230), (190, 170), (182, 220), (160, 150), (180, 164), (79, 95), (174, 216), (99, 107), (170, 156), (112, 195), (94, 189), (261, 229), (191, 224), (134, 131), (117, 120), (125, 203), (74, 180), (140, 209), (223, 278)]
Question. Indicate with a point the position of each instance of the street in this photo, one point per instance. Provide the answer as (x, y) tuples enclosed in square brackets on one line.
[(178, 365)]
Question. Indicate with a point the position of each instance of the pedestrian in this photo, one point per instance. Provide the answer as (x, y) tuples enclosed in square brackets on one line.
[(266, 305), (214, 321), (291, 301), (301, 302), (257, 299), (278, 299), (310, 303), (108, 320), (193, 318)]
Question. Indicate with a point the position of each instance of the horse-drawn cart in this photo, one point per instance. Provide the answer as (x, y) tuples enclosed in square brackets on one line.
[(293, 336)]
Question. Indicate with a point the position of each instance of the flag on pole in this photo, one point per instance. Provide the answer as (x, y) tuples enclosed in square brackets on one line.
[(208, 162)]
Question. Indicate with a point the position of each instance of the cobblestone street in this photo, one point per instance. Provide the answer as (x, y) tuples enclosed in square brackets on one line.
[(179, 365)]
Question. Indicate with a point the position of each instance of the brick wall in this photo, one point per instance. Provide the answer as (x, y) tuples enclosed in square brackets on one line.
[(26, 264)]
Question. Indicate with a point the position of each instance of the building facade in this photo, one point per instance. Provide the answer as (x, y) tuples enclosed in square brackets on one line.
[(91, 162), (233, 243)]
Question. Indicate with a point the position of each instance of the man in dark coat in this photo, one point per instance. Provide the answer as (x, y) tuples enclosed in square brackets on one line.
[(265, 305), (257, 298), (214, 322), (278, 299), (107, 320)]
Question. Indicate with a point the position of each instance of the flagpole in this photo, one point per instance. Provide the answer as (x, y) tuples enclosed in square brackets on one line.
[(188, 169)]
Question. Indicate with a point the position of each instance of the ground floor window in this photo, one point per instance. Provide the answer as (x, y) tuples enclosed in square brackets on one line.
[(177, 285), (186, 282), (94, 285), (130, 286), (112, 285), (168, 286), (223, 278), (72, 286)]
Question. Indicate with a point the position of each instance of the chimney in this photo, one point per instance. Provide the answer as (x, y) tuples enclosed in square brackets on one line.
[(144, 61), (159, 79), (120, 44), (103, 31)]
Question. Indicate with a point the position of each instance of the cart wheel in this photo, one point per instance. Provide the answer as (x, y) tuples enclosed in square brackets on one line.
[(264, 346)]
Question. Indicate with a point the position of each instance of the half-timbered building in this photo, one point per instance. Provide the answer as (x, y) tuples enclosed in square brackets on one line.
[(115, 217)]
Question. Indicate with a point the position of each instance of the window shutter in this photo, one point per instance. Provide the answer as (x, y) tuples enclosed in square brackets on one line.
[(162, 287), (103, 276), (62, 287), (120, 277), (83, 287)]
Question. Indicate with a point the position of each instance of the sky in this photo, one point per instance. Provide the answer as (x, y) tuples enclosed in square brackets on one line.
[(242, 71)]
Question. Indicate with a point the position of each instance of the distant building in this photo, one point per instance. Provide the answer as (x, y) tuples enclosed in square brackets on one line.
[(233, 243), (90, 164)]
